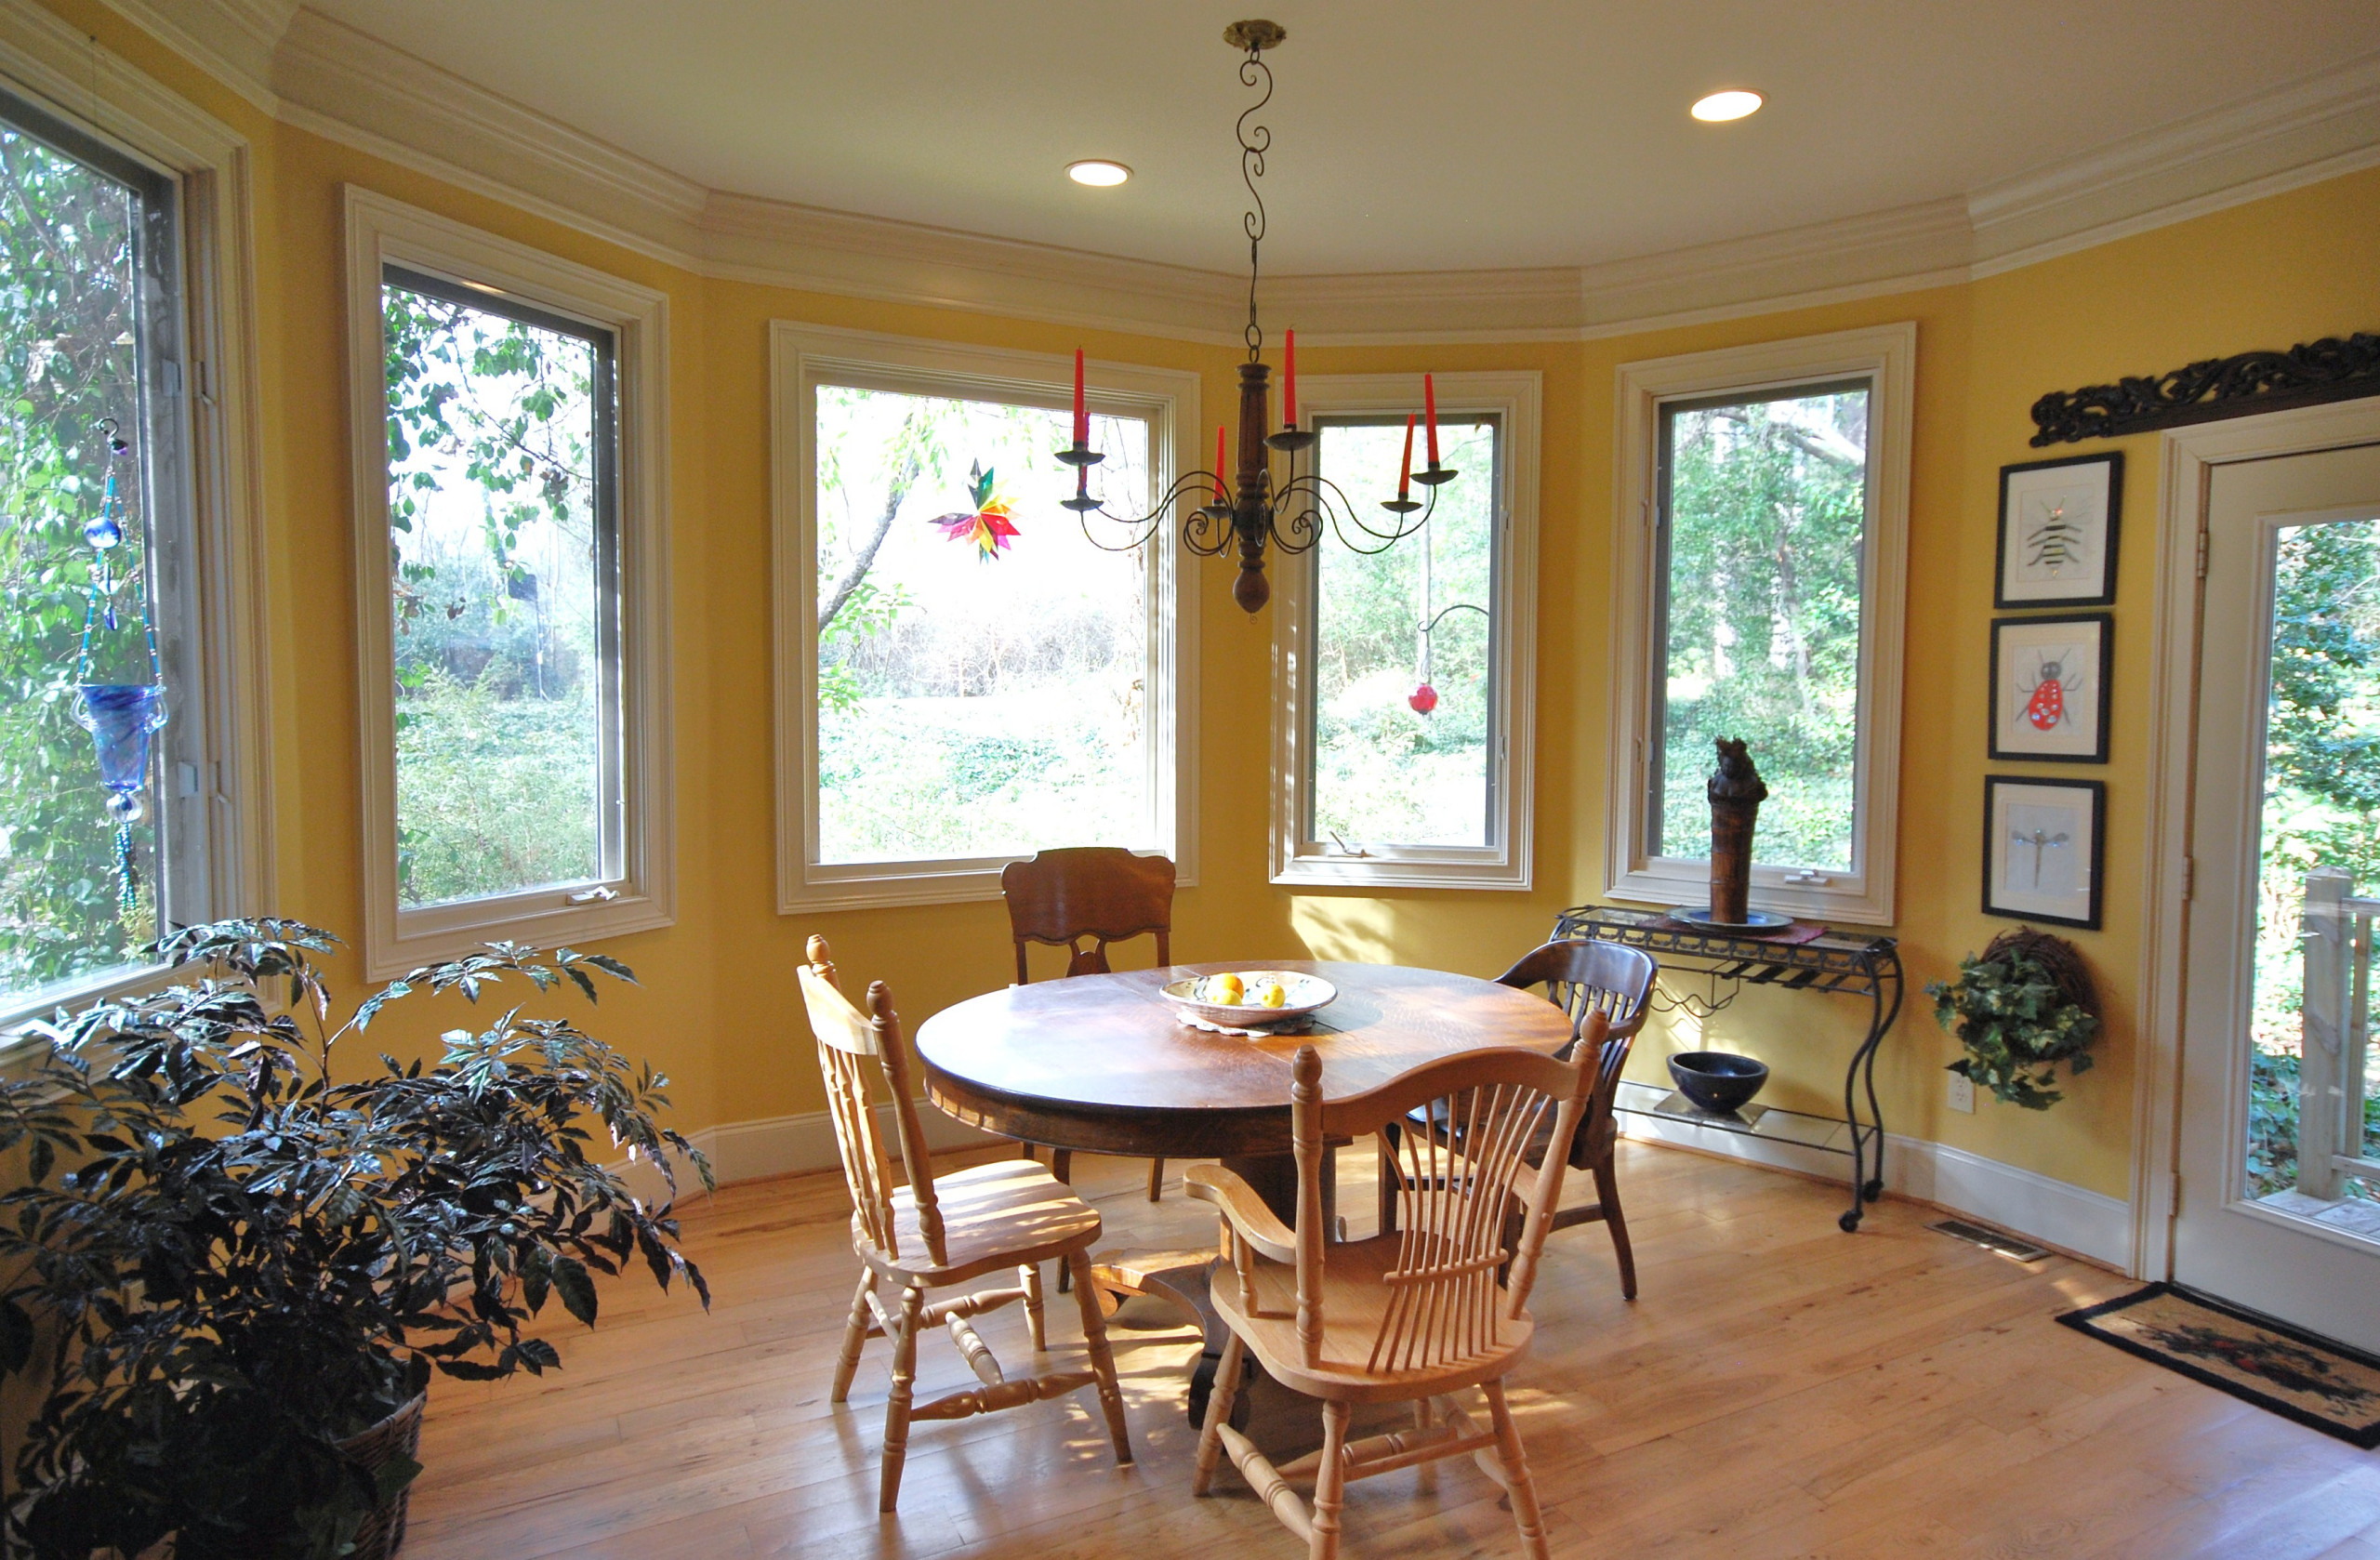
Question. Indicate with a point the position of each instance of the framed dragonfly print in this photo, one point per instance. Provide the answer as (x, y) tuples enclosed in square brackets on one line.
[(2049, 687), (2045, 848), (2057, 532)]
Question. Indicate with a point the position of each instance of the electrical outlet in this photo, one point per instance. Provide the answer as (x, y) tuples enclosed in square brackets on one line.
[(1962, 1092)]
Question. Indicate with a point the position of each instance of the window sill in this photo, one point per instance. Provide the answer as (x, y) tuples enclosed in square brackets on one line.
[(444, 931), (1846, 901), (883, 885), (1488, 870)]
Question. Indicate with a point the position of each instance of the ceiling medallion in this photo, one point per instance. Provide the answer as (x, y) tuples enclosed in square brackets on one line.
[(1254, 512)]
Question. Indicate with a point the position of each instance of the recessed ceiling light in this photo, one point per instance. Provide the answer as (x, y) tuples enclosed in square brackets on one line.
[(1100, 171), (1720, 107)]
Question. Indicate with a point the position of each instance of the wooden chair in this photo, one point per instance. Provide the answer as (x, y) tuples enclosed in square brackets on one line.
[(1583, 977), (1099, 891), (940, 1231), (1413, 1317)]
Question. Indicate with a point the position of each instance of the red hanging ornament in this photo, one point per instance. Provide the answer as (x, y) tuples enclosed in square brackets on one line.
[(1424, 699)]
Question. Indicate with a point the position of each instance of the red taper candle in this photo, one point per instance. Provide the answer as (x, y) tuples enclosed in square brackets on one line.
[(1082, 416), (1222, 491), (1430, 411), (1404, 472), (1290, 380)]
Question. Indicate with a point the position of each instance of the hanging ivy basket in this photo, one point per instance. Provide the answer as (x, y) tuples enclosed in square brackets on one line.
[(2020, 1009)]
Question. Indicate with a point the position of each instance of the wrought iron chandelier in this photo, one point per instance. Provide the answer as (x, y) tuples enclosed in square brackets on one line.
[(1254, 512)]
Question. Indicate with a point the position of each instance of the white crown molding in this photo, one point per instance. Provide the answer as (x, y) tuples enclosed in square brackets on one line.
[(328, 78)]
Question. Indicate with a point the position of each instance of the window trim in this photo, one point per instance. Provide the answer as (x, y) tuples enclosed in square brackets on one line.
[(799, 355), (222, 713), (1888, 356), (1516, 398), (382, 232)]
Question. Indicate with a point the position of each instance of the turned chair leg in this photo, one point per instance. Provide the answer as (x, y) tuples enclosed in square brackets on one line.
[(1030, 1274), (1522, 1490), (1392, 1180), (1330, 1483), (1156, 1178), (1102, 1359), (1210, 1435), (854, 1337), (1608, 1194), (1061, 1167), (896, 1410)]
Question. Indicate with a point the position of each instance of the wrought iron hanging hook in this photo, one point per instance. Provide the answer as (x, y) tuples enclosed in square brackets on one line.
[(1254, 141)]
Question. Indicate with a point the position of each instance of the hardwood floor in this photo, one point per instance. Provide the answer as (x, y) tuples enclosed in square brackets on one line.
[(1781, 1389)]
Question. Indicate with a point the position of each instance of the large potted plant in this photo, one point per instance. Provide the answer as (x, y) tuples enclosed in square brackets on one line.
[(239, 1262)]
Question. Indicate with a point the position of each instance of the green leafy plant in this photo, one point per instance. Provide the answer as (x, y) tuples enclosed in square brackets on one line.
[(228, 1300), (2022, 1008)]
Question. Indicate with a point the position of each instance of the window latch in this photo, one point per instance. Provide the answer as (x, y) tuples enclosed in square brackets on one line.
[(1345, 848), (1812, 880), (600, 895)]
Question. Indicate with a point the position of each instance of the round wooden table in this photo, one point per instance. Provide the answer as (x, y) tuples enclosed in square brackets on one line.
[(1101, 1065)]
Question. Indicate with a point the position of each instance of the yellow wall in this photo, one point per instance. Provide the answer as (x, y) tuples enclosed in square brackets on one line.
[(717, 1009)]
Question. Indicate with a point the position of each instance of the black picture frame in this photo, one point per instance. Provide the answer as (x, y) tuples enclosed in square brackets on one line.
[(2105, 594), (2102, 625), (1995, 787)]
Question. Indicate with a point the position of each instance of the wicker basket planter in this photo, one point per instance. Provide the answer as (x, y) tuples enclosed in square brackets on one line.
[(383, 1532), (2025, 1005)]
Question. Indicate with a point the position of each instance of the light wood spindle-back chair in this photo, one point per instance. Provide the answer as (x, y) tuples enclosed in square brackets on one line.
[(1582, 976), (1435, 1308), (1103, 892), (921, 1232)]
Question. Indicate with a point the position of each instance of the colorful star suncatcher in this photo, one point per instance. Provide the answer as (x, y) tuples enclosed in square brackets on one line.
[(987, 525)]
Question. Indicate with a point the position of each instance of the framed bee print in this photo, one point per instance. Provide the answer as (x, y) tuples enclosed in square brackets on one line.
[(2045, 848), (2049, 687), (2057, 532)]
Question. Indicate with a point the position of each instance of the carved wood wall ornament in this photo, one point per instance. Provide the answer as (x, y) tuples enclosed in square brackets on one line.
[(2335, 368)]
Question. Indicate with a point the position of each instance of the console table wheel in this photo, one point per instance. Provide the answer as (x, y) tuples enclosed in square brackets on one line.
[(1850, 1222)]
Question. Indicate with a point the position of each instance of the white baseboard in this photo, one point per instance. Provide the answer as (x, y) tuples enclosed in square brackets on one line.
[(2054, 1212), (790, 1145)]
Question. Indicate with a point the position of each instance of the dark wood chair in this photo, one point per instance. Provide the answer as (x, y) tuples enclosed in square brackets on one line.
[(1096, 892), (1583, 977)]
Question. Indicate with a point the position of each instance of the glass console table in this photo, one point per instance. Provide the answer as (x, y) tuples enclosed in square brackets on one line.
[(1836, 963)]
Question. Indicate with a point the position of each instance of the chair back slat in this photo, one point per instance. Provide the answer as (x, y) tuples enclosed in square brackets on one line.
[(1098, 892), (1455, 1281), (848, 1040), (1583, 976)]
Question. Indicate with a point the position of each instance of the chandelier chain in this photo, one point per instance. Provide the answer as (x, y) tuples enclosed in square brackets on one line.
[(1254, 141)]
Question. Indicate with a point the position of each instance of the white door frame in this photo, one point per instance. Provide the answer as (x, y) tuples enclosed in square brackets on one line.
[(2188, 458)]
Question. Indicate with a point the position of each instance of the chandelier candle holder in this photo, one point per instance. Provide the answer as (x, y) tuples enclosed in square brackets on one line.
[(1249, 510)]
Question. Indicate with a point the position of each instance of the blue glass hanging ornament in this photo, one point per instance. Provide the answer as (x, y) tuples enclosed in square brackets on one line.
[(120, 716)]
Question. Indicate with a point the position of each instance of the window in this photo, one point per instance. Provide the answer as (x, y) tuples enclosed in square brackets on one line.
[(1759, 597), (106, 580), (516, 760), (1403, 751), (974, 673)]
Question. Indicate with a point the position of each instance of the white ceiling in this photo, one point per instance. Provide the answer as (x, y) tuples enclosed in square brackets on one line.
[(1407, 134)]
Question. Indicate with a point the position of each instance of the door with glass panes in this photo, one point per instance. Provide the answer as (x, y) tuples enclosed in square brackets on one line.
[(2279, 1145)]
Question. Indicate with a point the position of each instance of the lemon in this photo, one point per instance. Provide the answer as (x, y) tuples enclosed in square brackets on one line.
[(1227, 989), (1270, 995)]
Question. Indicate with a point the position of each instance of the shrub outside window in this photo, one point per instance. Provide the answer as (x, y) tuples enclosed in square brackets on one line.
[(1402, 746), (1763, 523), (979, 673), (516, 717)]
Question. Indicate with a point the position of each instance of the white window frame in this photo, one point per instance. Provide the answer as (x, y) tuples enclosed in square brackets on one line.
[(1515, 399), (644, 894), (1887, 356), (803, 356), (216, 768)]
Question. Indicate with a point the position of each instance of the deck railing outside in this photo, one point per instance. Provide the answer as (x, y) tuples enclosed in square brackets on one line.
[(2337, 1036)]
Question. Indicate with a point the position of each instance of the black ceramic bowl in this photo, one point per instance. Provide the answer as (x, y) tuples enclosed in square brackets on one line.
[(1718, 1080)]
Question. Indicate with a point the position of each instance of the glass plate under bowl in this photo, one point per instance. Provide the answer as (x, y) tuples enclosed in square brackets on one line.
[(1306, 994), (1760, 921)]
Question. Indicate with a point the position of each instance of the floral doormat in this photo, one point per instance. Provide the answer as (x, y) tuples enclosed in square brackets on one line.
[(2322, 1385)]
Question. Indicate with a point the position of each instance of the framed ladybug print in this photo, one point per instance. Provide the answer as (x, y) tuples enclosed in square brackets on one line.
[(2049, 687), (2057, 532), (2043, 849)]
